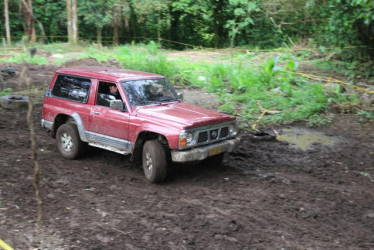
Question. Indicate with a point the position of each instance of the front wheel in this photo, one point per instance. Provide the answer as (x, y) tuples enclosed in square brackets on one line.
[(68, 141), (154, 161)]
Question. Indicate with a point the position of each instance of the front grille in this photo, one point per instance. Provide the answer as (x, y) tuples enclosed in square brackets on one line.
[(203, 137), (212, 135), (224, 132)]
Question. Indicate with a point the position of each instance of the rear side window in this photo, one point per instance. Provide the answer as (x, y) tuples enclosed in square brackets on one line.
[(72, 88)]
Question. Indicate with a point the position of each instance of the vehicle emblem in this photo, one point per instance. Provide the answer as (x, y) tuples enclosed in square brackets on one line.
[(214, 134)]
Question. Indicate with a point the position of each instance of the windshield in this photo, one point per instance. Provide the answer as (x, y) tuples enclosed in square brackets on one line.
[(149, 91)]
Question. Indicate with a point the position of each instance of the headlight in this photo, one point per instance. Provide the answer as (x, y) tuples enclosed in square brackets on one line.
[(187, 139), (233, 129)]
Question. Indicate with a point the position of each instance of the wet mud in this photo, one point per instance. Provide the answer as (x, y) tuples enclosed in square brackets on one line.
[(267, 194), (305, 139)]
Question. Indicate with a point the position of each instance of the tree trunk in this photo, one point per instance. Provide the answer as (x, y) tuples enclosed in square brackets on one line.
[(215, 27), (74, 12), (29, 20), (29, 10), (72, 16), (174, 26), (218, 22), (115, 34), (69, 20), (233, 35), (99, 35), (7, 28), (232, 39), (159, 27)]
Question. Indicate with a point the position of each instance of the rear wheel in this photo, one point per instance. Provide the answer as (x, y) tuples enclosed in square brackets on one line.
[(154, 161), (68, 142)]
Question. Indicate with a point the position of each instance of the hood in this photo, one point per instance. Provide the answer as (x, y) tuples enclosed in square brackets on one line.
[(183, 115)]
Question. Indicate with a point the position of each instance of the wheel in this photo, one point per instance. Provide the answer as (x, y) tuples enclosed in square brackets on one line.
[(154, 161), (68, 142), (214, 160)]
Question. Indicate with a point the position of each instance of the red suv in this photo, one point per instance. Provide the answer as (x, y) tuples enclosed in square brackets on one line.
[(132, 112)]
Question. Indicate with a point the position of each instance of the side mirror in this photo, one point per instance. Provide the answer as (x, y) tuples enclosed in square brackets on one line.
[(116, 105), (180, 96)]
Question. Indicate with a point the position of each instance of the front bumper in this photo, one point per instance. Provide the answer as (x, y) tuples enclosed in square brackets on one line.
[(203, 152)]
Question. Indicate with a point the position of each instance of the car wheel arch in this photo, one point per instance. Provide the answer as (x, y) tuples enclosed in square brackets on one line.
[(75, 118), (143, 137)]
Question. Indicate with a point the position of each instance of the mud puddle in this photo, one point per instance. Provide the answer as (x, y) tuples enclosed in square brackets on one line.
[(305, 139)]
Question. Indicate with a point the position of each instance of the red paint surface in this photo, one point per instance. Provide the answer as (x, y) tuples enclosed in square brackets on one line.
[(167, 119)]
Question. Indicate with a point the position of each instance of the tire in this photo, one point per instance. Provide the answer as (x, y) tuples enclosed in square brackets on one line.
[(214, 160), (14, 102), (68, 141), (154, 161), (261, 136)]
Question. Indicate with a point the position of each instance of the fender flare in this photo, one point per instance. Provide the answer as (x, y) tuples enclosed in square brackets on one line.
[(80, 126), (139, 140)]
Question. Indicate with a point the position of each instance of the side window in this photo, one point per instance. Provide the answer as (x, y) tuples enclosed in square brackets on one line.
[(106, 92), (72, 88)]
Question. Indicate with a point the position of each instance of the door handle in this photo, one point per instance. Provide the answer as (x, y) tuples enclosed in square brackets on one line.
[(96, 112)]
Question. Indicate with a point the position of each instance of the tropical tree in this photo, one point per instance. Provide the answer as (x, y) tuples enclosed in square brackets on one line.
[(120, 9), (29, 24), (194, 21), (241, 18), (96, 13), (151, 14)]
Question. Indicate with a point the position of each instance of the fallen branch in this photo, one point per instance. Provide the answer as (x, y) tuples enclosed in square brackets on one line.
[(263, 113)]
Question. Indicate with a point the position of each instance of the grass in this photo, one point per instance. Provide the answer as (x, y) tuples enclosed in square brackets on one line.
[(366, 115), (243, 82), (5, 91), (17, 58), (352, 70)]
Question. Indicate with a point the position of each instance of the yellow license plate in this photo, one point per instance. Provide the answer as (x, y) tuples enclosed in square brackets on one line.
[(215, 151)]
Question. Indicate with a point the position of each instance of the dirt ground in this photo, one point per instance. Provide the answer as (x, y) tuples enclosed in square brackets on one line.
[(268, 194)]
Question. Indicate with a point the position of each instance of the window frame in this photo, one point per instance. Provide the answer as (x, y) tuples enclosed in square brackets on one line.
[(85, 100), (105, 82)]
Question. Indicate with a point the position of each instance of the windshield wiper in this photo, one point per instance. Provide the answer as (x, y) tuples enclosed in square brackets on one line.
[(147, 102), (166, 99)]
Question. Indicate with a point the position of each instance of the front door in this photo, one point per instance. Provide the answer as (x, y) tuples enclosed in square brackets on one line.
[(106, 122)]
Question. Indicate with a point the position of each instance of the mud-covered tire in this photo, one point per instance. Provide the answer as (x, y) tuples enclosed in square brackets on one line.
[(14, 102), (68, 141), (261, 136), (154, 161), (215, 160)]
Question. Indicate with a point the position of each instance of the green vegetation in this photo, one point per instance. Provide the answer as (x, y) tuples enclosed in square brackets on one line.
[(317, 120), (246, 83), (25, 57), (6, 91), (180, 24), (333, 35), (366, 115), (350, 69)]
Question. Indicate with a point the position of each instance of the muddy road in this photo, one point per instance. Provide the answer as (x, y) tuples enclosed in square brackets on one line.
[(268, 194)]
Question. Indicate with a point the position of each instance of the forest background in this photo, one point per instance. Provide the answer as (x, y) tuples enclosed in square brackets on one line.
[(205, 23)]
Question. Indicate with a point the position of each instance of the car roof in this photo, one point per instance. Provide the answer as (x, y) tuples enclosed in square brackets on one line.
[(107, 73)]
